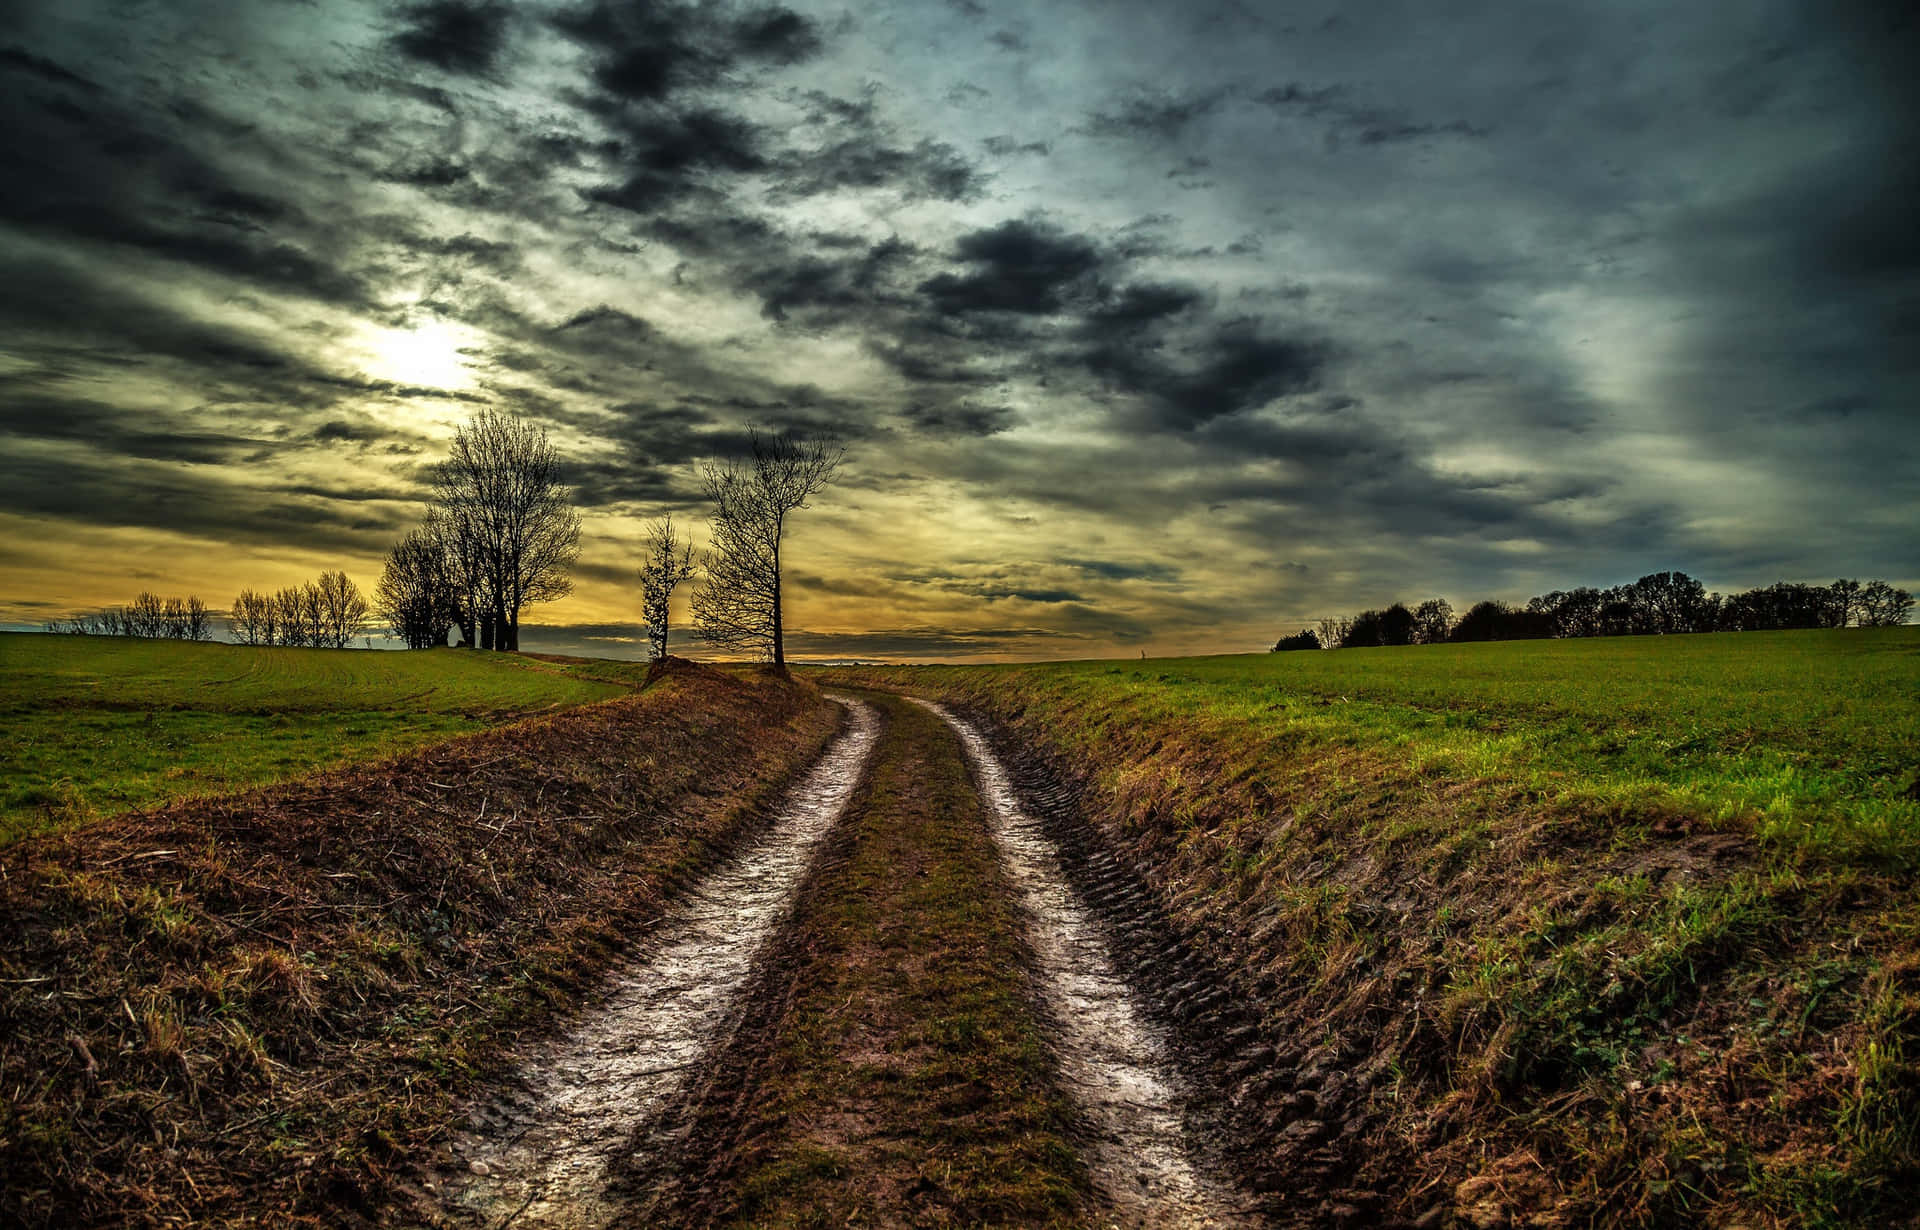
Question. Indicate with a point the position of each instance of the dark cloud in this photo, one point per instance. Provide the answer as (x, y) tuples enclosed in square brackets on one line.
[(1235, 369), (645, 52), (931, 170), (1019, 266), (1156, 114), (1346, 118), (454, 36)]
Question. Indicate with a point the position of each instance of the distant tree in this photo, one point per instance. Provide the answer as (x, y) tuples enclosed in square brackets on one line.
[(502, 502), (1363, 631), (1786, 604), (1333, 631), (741, 605), (245, 622), (199, 620), (1303, 639), (343, 609), (1667, 602), (1397, 625), (416, 595), (1883, 606), (1844, 595), (667, 563), (1432, 621)]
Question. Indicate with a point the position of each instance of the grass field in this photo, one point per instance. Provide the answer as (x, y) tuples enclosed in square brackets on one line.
[(1811, 734), (97, 725), (1623, 931)]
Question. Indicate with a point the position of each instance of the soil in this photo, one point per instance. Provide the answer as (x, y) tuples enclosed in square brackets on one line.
[(540, 1153)]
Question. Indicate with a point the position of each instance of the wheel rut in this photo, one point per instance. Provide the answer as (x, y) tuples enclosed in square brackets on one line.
[(1117, 1061), (540, 1155)]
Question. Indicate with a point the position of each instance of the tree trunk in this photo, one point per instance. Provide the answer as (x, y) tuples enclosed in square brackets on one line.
[(779, 633), (486, 633)]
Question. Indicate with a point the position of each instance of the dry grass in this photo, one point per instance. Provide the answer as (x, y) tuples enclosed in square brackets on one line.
[(255, 1010)]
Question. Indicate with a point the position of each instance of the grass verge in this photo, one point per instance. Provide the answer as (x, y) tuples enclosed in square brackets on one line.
[(258, 1009), (1492, 994), (892, 1071), (97, 725)]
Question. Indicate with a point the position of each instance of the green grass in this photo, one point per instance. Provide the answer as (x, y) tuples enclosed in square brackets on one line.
[(98, 725), (1810, 734)]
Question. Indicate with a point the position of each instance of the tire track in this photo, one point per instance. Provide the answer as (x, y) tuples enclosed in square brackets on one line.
[(541, 1155), (1116, 1061)]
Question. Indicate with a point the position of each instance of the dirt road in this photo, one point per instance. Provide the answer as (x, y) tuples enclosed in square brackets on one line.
[(893, 1011)]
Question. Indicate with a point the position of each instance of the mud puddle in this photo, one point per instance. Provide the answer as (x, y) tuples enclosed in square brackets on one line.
[(1116, 1063), (540, 1155)]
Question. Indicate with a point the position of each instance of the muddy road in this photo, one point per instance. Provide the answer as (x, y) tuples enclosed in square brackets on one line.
[(892, 1010), (539, 1155)]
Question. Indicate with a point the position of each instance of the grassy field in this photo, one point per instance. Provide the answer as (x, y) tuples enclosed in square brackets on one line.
[(1812, 735), (97, 725), (1617, 932)]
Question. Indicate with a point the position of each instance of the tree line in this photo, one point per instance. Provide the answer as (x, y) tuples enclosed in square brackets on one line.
[(169, 618), (322, 614), (500, 534), (1659, 603)]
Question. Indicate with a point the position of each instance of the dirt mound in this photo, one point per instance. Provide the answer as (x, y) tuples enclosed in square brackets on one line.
[(255, 1009)]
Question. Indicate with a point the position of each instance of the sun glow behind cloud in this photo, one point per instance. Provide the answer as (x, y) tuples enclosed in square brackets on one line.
[(429, 354)]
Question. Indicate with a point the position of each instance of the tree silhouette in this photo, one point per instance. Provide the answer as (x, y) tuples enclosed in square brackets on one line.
[(741, 604), (668, 562), (507, 514)]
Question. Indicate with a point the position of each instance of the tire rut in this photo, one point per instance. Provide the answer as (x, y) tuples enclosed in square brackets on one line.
[(1149, 1125), (542, 1154)]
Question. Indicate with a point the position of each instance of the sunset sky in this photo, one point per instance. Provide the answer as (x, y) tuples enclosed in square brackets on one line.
[(1149, 327)]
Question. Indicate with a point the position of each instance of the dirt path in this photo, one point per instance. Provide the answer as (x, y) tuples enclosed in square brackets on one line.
[(540, 1155), (1116, 1063), (892, 1070)]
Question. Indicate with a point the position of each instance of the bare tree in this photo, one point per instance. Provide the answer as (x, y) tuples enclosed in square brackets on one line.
[(502, 503), (740, 606), (1334, 630), (343, 609), (417, 595), (668, 562), (250, 619)]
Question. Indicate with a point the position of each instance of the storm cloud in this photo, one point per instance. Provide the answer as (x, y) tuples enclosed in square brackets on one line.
[(1148, 326)]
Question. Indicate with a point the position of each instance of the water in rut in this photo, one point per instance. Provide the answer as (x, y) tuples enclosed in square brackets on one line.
[(1115, 1063), (541, 1158)]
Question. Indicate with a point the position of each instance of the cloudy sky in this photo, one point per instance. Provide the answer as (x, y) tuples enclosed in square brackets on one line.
[(1149, 327)]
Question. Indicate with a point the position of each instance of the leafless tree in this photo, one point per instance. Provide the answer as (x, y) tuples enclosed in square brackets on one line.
[(667, 563), (1333, 631), (740, 606), (417, 595), (343, 609), (500, 496), (250, 619)]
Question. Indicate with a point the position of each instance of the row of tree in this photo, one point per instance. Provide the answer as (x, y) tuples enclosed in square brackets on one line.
[(326, 613), (1659, 603), (170, 618), (500, 534)]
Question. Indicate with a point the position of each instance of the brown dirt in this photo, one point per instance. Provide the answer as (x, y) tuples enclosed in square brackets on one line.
[(256, 1010), (891, 1070)]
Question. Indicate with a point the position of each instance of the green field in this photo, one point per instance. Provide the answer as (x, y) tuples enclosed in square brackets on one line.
[(1815, 735), (97, 725)]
